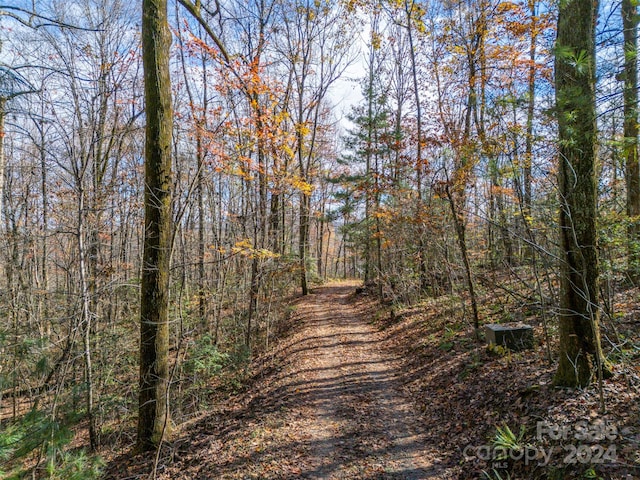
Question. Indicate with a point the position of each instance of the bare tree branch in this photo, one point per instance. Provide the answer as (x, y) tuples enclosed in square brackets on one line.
[(195, 10), (43, 21)]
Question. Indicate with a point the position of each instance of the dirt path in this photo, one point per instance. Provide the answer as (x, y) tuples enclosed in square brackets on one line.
[(327, 402), (327, 405), (357, 422)]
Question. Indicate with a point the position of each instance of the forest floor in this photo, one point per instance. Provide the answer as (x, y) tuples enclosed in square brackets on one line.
[(353, 391)]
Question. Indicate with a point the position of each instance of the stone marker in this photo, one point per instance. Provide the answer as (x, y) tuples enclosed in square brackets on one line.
[(514, 337)]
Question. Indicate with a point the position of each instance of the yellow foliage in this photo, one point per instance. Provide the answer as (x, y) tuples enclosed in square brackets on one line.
[(301, 184), (498, 190), (288, 151), (302, 129), (504, 7), (245, 248), (376, 40), (265, 253), (240, 172), (457, 49), (245, 243), (383, 214)]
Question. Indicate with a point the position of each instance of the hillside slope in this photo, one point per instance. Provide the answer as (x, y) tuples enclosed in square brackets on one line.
[(354, 392)]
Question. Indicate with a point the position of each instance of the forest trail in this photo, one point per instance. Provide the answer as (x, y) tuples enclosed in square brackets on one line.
[(350, 409), (332, 405), (327, 403)]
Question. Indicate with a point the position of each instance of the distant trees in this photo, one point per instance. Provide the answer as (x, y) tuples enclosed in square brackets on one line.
[(482, 134), (444, 183), (366, 155), (70, 217), (314, 54)]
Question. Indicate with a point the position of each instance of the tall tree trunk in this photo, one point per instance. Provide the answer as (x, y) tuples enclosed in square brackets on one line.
[(580, 351), (527, 172), (254, 290), (422, 248), (369, 146), (86, 319), (45, 226), (303, 240), (261, 224), (202, 293), (276, 223), (153, 414), (200, 123), (3, 106), (630, 26), (321, 224)]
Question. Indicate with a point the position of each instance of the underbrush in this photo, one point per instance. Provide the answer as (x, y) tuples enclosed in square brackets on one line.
[(475, 398), (38, 445)]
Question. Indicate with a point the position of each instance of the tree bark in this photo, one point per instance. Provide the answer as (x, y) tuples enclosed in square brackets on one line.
[(527, 174), (305, 207), (3, 106), (458, 222), (630, 25), (580, 351), (153, 414), (422, 248), (86, 320)]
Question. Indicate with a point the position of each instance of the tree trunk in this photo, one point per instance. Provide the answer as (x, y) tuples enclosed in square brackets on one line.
[(3, 106), (303, 241), (422, 248), (629, 21), (202, 289), (46, 330), (254, 290), (153, 414), (276, 223), (320, 229), (86, 321), (458, 222), (527, 174), (580, 351)]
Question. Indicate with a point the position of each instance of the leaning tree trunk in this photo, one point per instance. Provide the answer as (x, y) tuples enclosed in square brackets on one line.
[(580, 351), (153, 411), (458, 222)]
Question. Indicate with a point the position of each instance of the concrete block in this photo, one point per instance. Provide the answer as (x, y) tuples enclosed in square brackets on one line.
[(514, 337)]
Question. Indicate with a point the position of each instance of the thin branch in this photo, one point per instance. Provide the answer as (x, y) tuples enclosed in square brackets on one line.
[(7, 10), (194, 10)]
